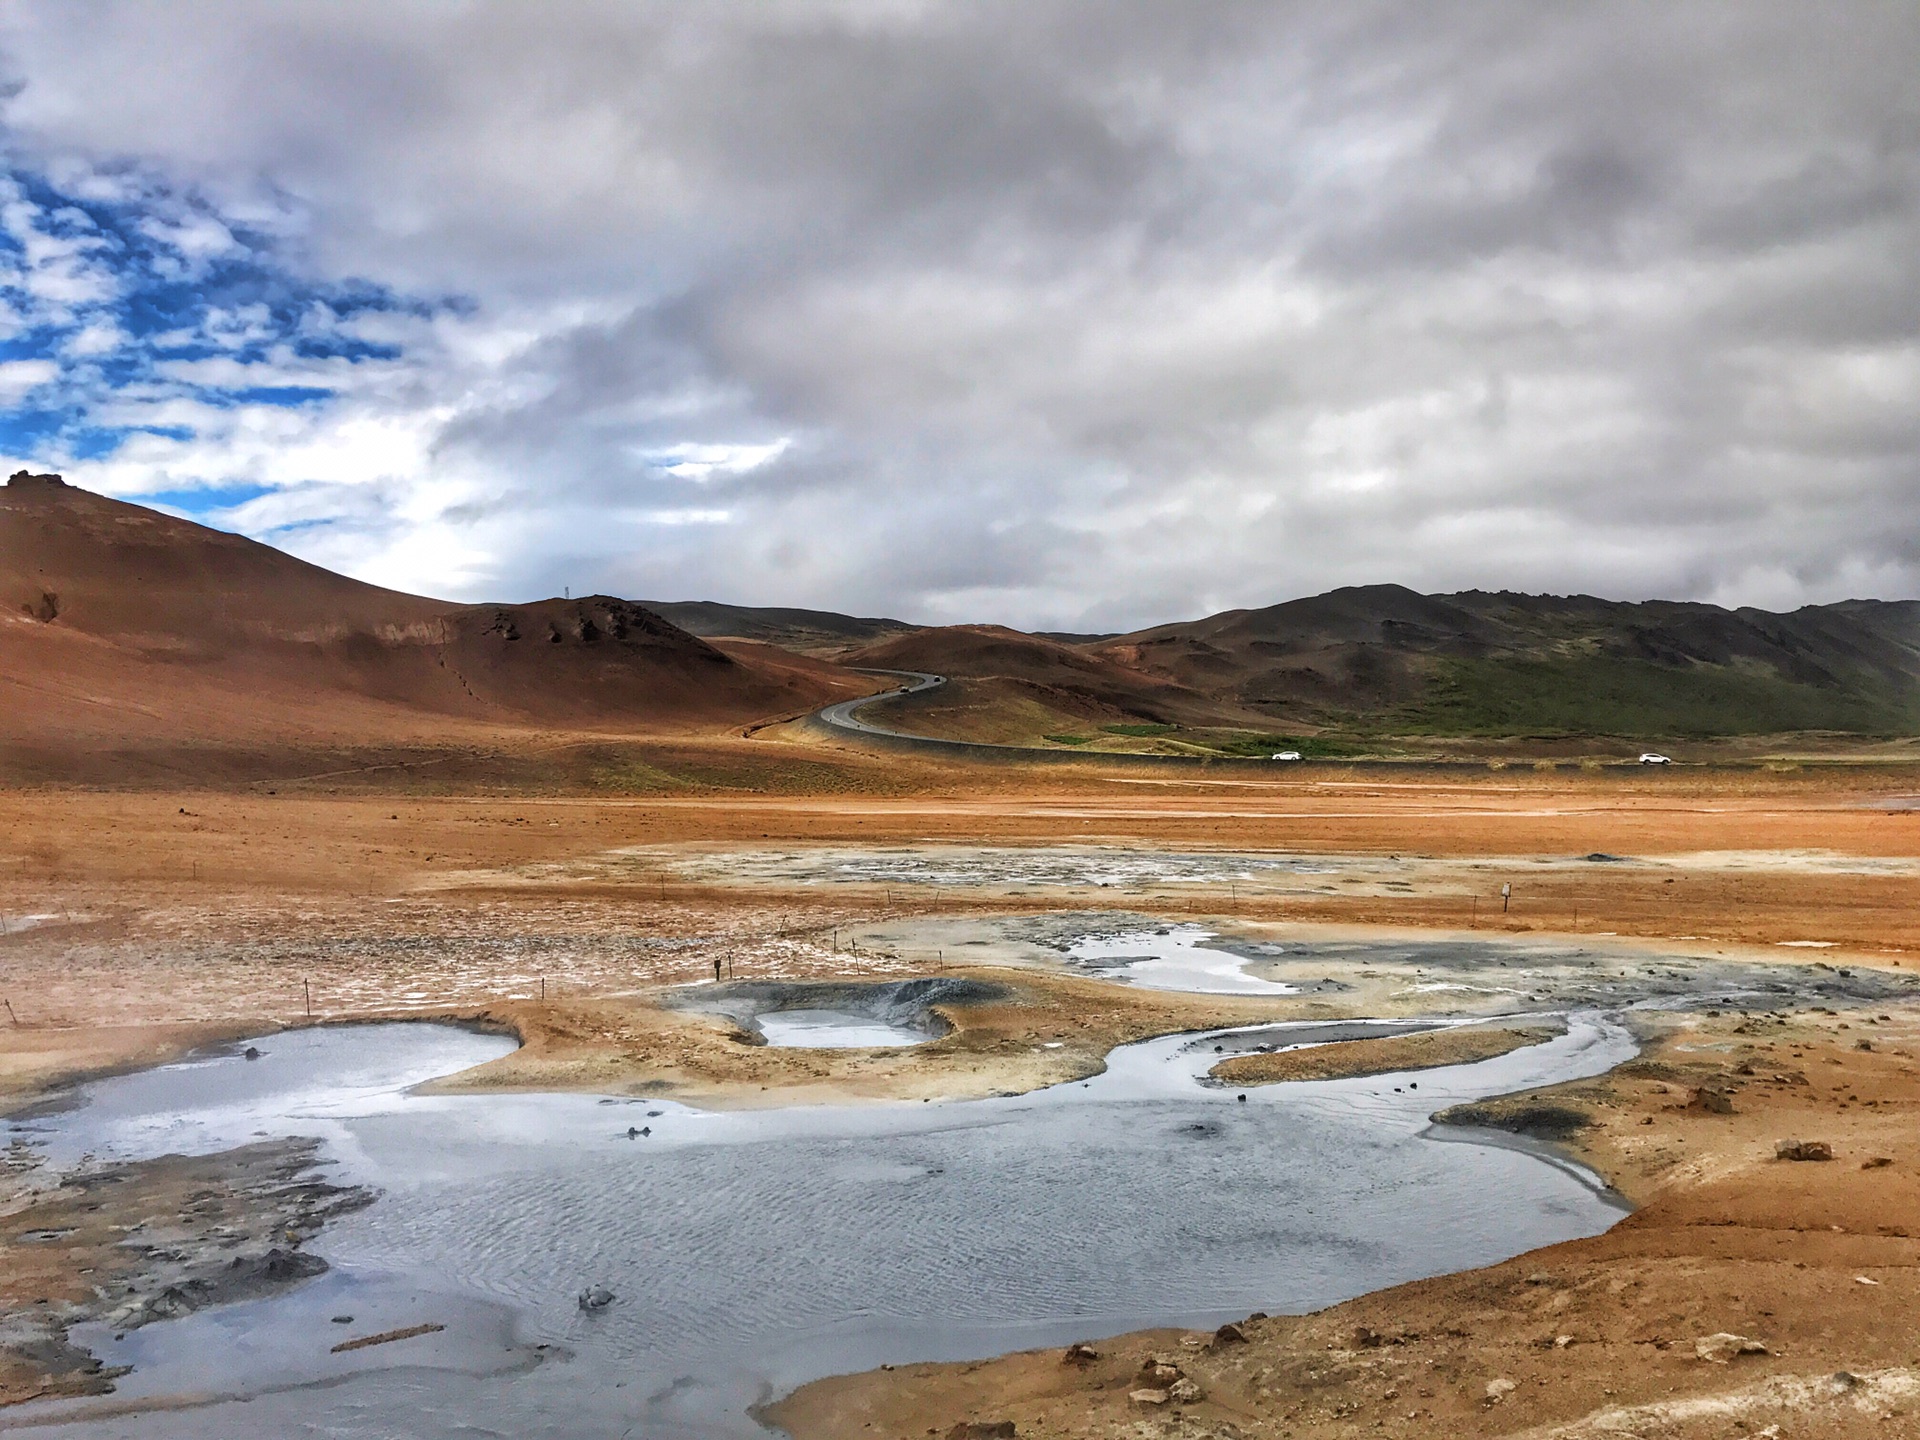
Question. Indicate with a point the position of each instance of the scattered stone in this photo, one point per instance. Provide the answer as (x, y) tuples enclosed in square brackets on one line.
[(1719, 1349), (1803, 1150), (1078, 1354), (595, 1297), (1498, 1390)]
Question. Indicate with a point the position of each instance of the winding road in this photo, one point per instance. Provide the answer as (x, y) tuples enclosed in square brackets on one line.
[(842, 716)]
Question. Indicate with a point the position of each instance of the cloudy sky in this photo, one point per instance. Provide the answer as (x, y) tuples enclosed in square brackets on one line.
[(1052, 314)]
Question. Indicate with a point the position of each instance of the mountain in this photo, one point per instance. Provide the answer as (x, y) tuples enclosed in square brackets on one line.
[(804, 631), (1477, 663), (121, 624)]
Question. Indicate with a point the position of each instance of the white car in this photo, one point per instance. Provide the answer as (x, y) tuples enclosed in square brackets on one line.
[(1289, 755), (1655, 758)]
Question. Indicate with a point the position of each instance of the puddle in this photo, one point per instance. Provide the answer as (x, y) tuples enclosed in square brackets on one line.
[(749, 1252), (834, 1030), (1172, 958)]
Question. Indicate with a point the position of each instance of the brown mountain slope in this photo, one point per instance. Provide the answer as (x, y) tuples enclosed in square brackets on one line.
[(1013, 687), (120, 624)]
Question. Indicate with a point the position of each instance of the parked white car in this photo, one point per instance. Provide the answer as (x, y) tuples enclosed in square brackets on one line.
[(1289, 755), (1655, 758)]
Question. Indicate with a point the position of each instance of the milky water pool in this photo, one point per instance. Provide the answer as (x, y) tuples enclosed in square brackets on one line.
[(834, 1030), (1175, 957), (752, 1251)]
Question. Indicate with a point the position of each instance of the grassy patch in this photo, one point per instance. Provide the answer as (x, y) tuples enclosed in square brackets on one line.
[(1311, 747), (1606, 695), (1068, 739), (1140, 732)]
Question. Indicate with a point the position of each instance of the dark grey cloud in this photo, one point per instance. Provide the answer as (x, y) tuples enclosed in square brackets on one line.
[(1066, 314)]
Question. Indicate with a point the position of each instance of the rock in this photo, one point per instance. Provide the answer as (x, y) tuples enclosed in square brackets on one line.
[(1561, 1342), (982, 1430), (1158, 1374), (1184, 1391), (253, 1052), (1079, 1355), (1366, 1338), (343, 1319), (1147, 1397), (25, 477), (1802, 1150), (1714, 1102), (1863, 1044), (1719, 1349), (1876, 1162), (281, 1266), (1498, 1390), (595, 1297), (1229, 1334)]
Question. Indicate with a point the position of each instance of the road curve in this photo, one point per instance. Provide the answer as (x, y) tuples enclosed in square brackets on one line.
[(842, 717)]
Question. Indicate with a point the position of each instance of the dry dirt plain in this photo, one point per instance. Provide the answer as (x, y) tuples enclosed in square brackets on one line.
[(140, 922)]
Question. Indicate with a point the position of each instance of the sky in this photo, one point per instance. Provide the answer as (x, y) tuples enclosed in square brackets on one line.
[(1059, 315)]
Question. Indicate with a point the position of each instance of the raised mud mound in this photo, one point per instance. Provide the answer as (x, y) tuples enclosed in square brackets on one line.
[(909, 1003)]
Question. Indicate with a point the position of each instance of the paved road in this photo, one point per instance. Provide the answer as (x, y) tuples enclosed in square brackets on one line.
[(842, 716)]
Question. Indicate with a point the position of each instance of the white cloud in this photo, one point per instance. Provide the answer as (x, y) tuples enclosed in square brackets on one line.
[(1070, 314), (20, 378)]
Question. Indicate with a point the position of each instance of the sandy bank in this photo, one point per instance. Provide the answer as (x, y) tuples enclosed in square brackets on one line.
[(1043, 1030), (1461, 1045)]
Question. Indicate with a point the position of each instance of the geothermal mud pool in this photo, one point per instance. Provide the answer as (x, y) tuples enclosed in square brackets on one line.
[(748, 1252)]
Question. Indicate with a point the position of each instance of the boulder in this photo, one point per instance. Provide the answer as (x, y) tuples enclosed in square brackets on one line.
[(1184, 1391), (1077, 1354), (1147, 1397), (1721, 1348), (1802, 1150), (1229, 1334), (595, 1297), (1158, 1374)]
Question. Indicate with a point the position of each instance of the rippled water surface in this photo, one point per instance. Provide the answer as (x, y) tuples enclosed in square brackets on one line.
[(752, 1251)]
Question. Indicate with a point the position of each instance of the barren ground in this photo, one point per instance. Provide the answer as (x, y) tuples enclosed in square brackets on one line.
[(138, 923)]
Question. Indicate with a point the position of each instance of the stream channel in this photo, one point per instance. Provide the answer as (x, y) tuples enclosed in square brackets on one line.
[(751, 1251)]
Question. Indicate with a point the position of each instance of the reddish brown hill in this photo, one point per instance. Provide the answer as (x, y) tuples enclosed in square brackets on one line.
[(118, 623)]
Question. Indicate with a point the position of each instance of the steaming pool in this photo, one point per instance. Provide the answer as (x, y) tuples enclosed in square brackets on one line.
[(750, 1252)]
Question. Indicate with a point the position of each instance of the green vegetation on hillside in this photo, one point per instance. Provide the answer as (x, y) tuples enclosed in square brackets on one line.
[(1607, 695)]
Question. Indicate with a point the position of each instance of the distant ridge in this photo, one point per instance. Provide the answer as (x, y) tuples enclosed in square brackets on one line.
[(1486, 663), (813, 631)]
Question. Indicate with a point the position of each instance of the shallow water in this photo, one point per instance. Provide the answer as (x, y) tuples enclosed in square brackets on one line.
[(1172, 958), (834, 1030), (752, 1251)]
